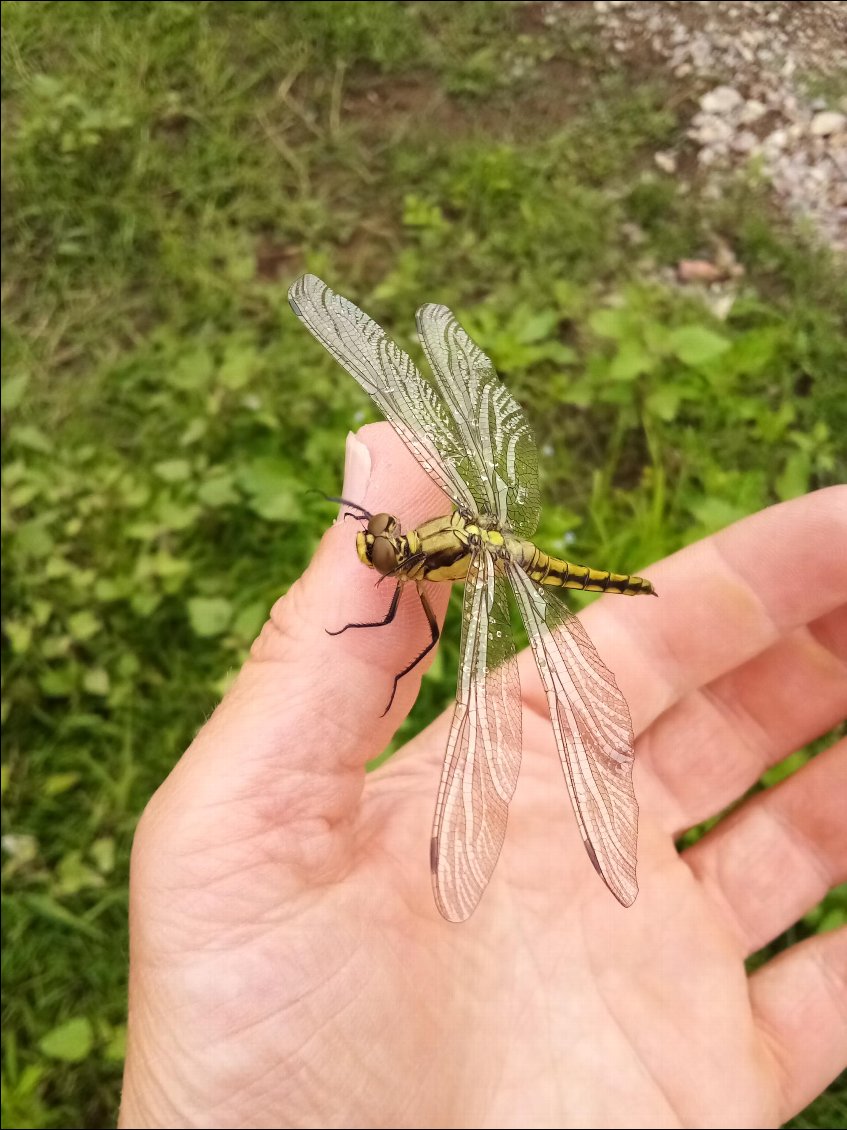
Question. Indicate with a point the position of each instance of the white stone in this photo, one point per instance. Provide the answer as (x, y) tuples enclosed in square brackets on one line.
[(827, 122), (777, 140), (712, 130), (665, 161), (722, 305), (745, 141), (721, 100), (753, 110)]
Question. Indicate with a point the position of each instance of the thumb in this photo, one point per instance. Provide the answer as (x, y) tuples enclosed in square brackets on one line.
[(292, 736)]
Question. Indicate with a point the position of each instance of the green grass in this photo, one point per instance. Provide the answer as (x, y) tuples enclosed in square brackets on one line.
[(169, 169)]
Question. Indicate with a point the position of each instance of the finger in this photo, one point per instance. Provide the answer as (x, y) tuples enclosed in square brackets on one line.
[(305, 713), (798, 1005), (779, 854), (723, 601), (715, 743), (726, 599)]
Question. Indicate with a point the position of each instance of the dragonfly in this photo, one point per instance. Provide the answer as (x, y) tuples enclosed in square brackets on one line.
[(474, 441)]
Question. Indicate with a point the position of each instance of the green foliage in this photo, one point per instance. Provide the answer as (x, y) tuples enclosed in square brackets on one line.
[(71, 1041), (170, 168)]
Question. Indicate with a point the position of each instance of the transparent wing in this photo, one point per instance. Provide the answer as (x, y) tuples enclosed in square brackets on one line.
[(390, 378), (593, 733), (500, 460), (483, 751)]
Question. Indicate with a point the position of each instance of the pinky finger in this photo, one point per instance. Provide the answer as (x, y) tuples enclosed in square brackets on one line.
[(799, 1004)]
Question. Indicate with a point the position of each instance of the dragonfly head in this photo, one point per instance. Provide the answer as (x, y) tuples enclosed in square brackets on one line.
[(377, 546)]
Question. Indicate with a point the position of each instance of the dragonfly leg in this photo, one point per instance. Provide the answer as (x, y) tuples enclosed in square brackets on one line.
[(389, 616), (402, 567), (433, 627)]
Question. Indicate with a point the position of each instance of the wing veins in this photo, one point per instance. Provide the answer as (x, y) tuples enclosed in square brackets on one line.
[(473, 423), (483, 751), (504, 486), (389, 376), (593, 733)]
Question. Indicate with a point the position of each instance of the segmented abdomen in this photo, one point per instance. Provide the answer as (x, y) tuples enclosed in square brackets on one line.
[(555, 572)]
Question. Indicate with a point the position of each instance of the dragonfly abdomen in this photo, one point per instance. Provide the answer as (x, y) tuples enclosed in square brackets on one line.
[(558, 573)]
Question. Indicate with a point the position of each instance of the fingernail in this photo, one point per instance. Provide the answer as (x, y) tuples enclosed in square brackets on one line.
[(357, 471)]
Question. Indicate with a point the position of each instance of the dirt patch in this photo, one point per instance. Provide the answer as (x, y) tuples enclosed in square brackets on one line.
[(274, 259), (395, 107)]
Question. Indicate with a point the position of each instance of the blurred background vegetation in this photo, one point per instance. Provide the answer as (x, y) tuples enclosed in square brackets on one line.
[(169, 169)]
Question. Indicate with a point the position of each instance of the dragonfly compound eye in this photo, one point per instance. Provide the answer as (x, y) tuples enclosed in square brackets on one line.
[(383, 556), (381, 524)]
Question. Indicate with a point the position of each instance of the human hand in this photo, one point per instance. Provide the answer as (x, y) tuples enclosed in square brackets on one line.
[(288, 965)]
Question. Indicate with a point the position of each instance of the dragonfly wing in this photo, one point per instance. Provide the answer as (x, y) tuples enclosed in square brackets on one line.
[(499, 460), (483, 751), (593, 733), (390, 378)]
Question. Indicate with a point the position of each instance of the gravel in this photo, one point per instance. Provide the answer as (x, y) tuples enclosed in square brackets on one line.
[(765, 77)]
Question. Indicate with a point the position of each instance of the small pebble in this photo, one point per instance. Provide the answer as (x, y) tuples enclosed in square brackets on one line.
[(666, 161), (752, 111), (745, 141), (828, 122), (721, 100), (698, 270)]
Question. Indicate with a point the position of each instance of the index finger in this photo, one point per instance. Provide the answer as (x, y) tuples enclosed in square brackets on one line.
[(304, 715)]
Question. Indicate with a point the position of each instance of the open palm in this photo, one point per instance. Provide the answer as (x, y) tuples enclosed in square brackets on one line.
[(288, 966)]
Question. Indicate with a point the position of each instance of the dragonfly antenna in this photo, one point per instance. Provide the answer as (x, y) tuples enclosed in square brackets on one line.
[(347, 502), (356, 511)]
